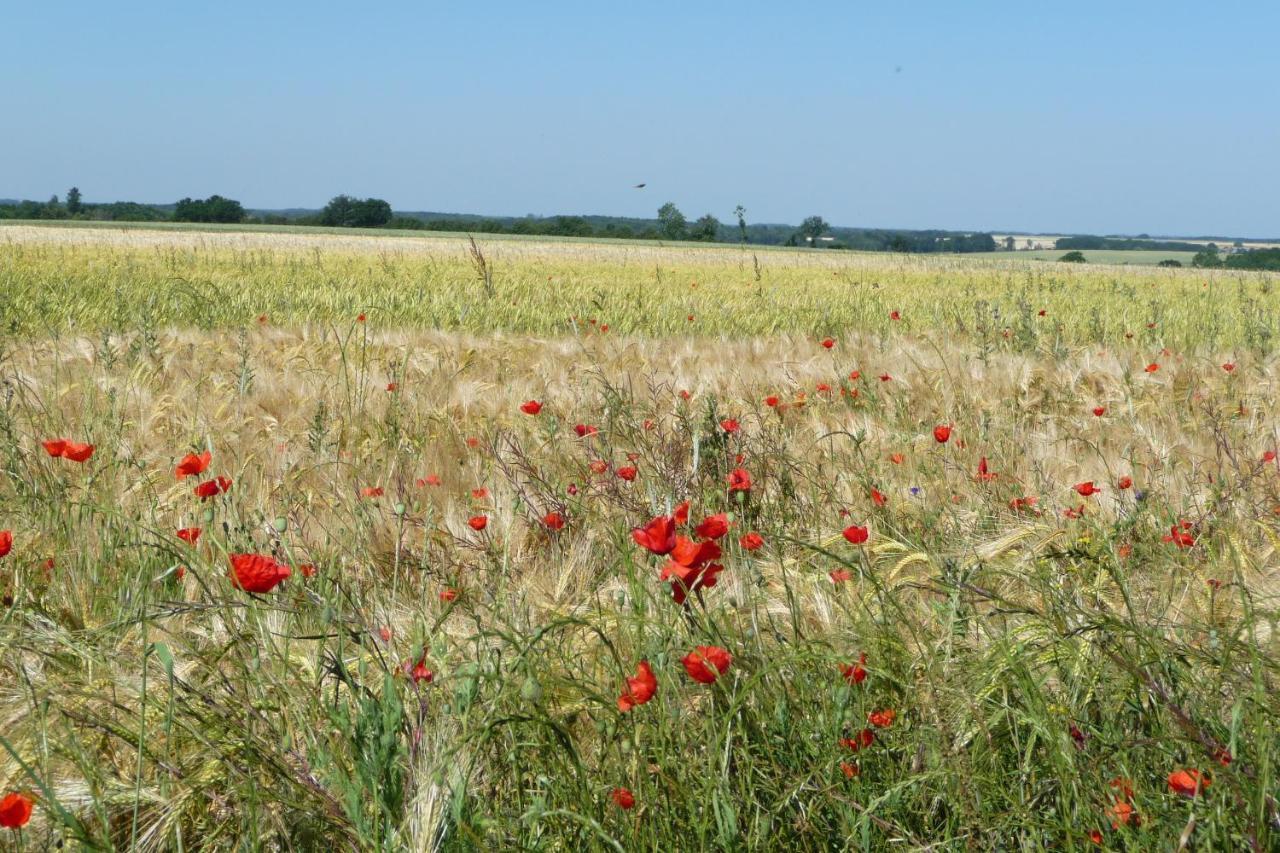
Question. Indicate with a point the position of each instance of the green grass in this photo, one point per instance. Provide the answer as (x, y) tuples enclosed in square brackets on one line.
[(1111, 256)]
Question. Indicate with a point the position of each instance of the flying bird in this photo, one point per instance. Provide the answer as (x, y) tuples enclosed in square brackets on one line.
[(638, 187)]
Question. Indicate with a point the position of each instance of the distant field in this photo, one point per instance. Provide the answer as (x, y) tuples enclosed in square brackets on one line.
[(360, 542), (1108, 256)]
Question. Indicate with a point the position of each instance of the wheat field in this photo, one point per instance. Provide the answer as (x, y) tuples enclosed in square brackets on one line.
[(986, 550)]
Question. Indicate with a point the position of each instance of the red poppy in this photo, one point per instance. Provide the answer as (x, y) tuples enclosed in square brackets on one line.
[(706, 663), (1041, 312), (860, 741), (77, 452), (598, 466), (190, 535), (480, 493), (1019, 504), (1122, 813), (640, 689), (713, 526), (256, 572), (308, 570), (531, 407), (1269, 456), (739, 480), (6, 542), (1086, 489), (828, 342), (856, 535), (1152, 367), (729, 425), (1188, 782), (473, 442), (623, 799), (942, 433), (1077, 512), (372, 492), (478, 522), (55, 446), (553, 521), (584, 430), (839, 575), (849, 770), (431, 480), (1095, 835), (894, 315), (191, 464), (658, 536), (896, 458), (752, 541), (419, 672), (1228, 367), (855, 673), (884, 377), (1124, 483), (15, 810), (210, 488), (877, 498), (1179, 535), (681, 514), (883, 718), (771, 401), (360, 318), (1099, 411), (984, 474), (627, 472), (447, 595), (391, 386), (690, 567)]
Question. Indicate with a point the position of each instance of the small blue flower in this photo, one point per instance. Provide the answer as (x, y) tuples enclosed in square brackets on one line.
[(915, 490), (1140, 495)]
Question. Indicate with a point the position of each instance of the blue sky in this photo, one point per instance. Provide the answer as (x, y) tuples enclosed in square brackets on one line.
[(1159, 117)]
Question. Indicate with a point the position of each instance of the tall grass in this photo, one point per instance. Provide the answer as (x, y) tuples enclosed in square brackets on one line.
[(1032, 658)]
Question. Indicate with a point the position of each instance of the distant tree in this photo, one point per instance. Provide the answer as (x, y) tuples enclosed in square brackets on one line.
[(73, 201), (215, 208), (1170, 262), (706, 229), (343, 211), (671, 222), (741, 213), (1207, 257), (812, 228), (1009, 243), (1074, 257)]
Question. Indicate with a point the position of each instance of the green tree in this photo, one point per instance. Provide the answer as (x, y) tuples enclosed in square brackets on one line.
[(741, 213), (73, 201), (812, 228), (343, 211), (671, 222), (215, 208), (1074, 257), (706, 229), (1207, 257)]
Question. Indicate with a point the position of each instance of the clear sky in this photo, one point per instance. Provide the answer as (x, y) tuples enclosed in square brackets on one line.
[(1124, 117)]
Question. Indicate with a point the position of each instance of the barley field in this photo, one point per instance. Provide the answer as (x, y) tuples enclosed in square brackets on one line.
[(315, 542)]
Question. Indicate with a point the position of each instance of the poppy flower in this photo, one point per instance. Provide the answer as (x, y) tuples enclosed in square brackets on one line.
[(1124, 483), (839, 575), (1077, 512), (1179, 535), (1019, 504), (6, 542), (15, 810), (1152, 367), (1099, 411), (739, 480), (1228, 367), (1086, 489), (553, 521), (478, 522), (1122, 813), (419, 672), (752, 541), (860, 741), (896, 458), (883, 718), (684, 394), (391, 386), (828, 343), (584, 430), (55, 446), (894, 315), (849, 770), (360, 318), (658, 536), (623, 799), (713, 526), (942, 433), (431, 480), (856, 535), (531, 407), (480, 493), (627, 472), (771, 401), (447, 595), (1269, 456), (210, 488), (1095, 835), (855, 673), (598, 466), (640, 689), (877, 497), (681, 513), (984, 474), (473, 442), (1077, 736), (308, 570), (884, 377), (190, 535), (192, 464), (256, 572), (1188, 782), (729, 425), (690, 567), (77, 452), (706, 663), (372, 492)]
